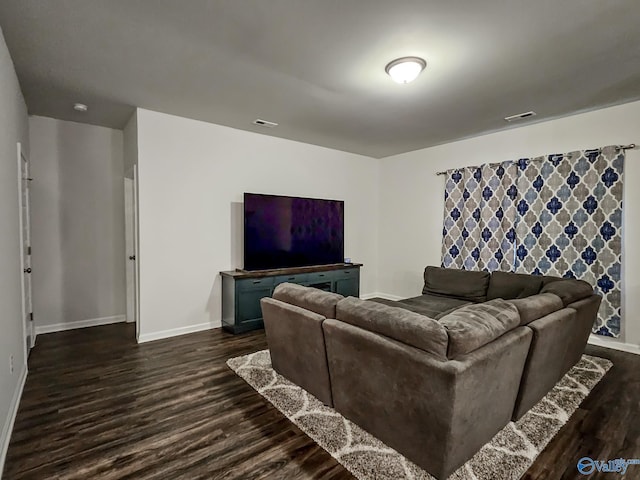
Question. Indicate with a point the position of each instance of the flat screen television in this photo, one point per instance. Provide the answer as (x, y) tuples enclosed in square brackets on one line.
[(282, 232)]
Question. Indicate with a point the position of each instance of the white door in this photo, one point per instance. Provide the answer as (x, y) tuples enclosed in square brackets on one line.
[(131, 241), (130, 249), (25, 246)]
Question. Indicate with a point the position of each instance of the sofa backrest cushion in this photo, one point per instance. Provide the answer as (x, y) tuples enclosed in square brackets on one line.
[(508, 285), (318, 301), (472, 326), (537, 306), (462, 284), (546, 279), (569, 290), (397, 323)]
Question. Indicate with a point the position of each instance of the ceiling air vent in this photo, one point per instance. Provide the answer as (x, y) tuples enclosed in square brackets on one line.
[(519, 116), (264, 123)]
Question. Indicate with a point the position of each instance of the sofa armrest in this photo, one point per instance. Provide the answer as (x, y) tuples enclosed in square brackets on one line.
[(569, 290), (318, 301), (296, 345), (546, 361), (537, 306), (586, 315)]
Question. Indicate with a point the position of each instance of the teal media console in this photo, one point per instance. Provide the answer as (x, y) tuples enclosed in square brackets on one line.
[(242, 290)]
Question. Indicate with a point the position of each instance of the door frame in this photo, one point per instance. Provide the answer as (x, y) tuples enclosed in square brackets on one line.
[(130, 273), (136, 246), (28, 334), (133, 216)]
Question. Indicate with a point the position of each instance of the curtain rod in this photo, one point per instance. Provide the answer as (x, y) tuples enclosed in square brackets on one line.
[(631, 146)]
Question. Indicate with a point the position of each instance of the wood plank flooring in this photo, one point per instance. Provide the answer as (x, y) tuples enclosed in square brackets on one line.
[(98, 406)]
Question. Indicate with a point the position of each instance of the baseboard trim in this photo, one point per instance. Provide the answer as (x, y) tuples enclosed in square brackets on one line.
[(386, 296), (91, 322), (599, 341), (11, 419), (174, 332)]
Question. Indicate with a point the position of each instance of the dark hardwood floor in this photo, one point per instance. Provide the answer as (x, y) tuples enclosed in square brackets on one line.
[(605, 426), (98, 406)]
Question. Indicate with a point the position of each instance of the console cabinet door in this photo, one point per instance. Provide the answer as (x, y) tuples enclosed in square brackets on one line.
[(249, 305), (347, 282), (348, 287), (248, 295)]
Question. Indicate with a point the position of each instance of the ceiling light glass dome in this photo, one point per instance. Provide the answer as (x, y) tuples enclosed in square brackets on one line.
[(405, 69)]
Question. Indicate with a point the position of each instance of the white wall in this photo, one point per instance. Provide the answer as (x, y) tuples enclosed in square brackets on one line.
[(412, 195), (46, 234), (192, 176), (13, 128), (77, 222)]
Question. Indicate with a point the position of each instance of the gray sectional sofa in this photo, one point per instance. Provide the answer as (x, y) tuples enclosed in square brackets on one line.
[(436, 376)]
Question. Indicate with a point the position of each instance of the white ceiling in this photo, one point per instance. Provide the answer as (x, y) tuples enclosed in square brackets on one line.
[(317, 66)]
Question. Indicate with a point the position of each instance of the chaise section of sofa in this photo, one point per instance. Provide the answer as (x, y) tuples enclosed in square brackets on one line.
[(434, 391), (561, 318)]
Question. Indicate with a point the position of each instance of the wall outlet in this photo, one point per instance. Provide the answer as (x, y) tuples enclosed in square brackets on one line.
[(11, 364)]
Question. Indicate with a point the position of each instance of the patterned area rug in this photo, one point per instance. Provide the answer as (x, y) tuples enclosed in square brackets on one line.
[(506, 457)]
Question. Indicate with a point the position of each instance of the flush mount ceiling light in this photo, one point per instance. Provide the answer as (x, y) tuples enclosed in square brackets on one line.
[(405, 69), (80, 107)]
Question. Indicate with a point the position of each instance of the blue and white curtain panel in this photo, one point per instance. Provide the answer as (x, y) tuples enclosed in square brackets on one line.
[(570, 223), (565, 219), (480, 213)]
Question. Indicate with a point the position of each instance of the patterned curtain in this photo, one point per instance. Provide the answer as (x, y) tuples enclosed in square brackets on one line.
[(569, 223), (479, 217)]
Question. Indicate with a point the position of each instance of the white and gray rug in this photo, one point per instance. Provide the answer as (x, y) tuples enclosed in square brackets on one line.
[(506, 457)]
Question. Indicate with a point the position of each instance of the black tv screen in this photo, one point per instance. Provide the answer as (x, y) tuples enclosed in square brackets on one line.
[(282, 232)]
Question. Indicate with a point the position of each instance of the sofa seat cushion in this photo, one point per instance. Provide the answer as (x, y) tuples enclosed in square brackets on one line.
[(508, 285), (472, 326), (537, 306), (460, 284), (398, 304), (569, 290), (433, 306), (397, 323), (318, 301)]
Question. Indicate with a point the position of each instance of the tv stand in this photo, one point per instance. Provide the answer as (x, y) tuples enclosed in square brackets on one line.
[(243, 289)]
